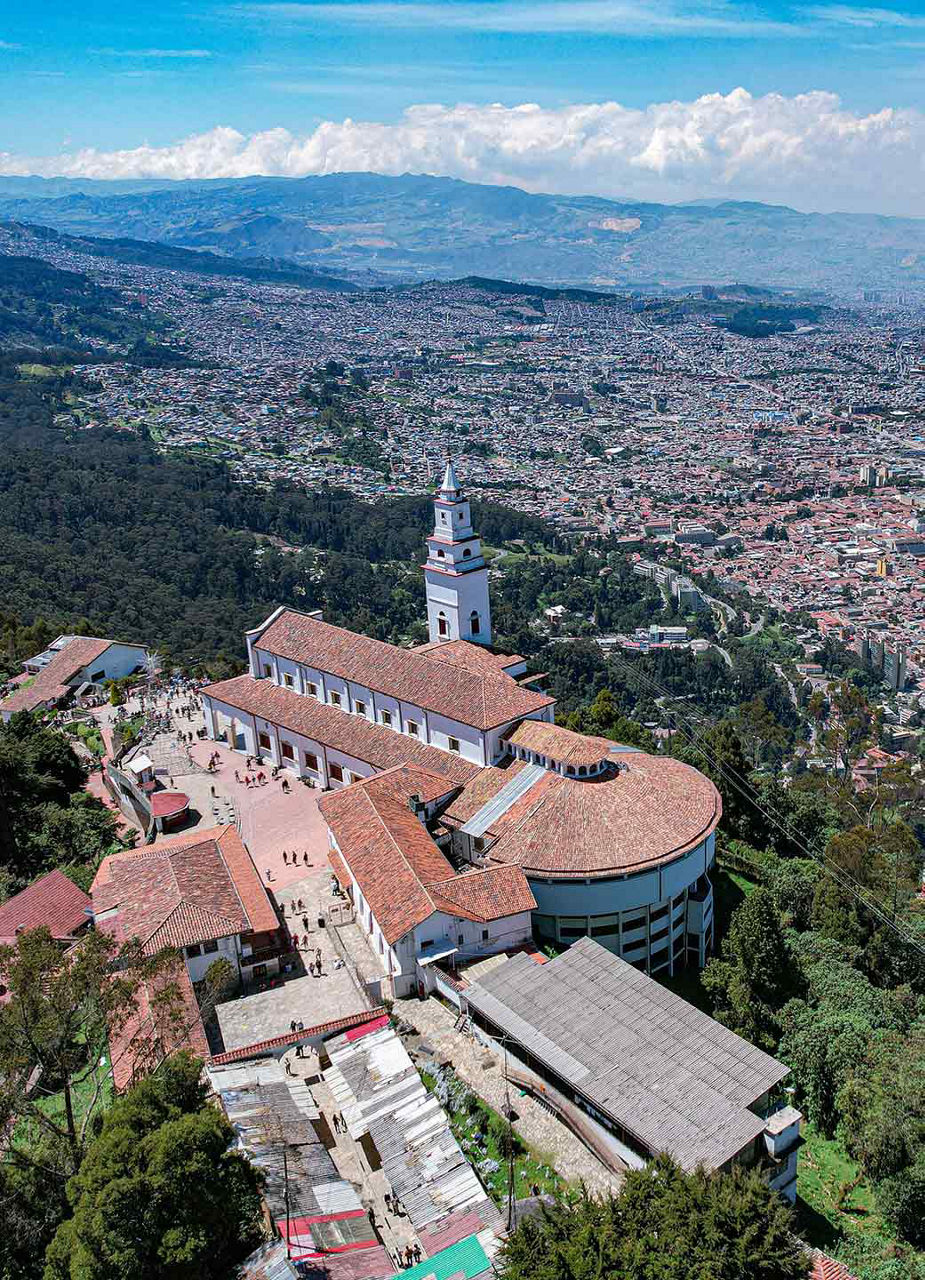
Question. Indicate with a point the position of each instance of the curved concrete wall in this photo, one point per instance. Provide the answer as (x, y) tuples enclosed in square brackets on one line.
[(660, 919)]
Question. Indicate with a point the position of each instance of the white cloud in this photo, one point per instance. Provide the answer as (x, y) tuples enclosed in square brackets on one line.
[(614, 17), (849, 16), (807, 150), (153, 53)]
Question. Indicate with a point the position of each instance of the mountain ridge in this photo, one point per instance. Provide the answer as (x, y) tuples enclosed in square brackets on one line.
[(378, 228)]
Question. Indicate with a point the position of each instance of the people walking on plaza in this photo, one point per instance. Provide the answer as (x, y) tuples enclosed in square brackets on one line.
[(305, 857)]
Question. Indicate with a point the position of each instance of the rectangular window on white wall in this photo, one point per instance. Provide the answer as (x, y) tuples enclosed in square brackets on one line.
[(311, 688), (413, 728), (288, 680), (453, 744), (360, 707), (335, 698), (387, 718)]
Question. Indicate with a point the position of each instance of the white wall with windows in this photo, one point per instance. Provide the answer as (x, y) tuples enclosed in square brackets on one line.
[(323, 766), (469, 938), (118, 661), (374, 706), (200, 955)]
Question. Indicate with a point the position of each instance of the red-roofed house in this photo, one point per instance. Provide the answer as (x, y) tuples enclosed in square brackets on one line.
[(136, 1047), (67, 663), (199, 893), (53, 901)]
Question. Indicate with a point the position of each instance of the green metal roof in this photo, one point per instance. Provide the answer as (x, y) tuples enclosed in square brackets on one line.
[(467, 1256)]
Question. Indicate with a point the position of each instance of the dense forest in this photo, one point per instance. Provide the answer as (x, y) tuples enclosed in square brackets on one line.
[(103, 533)]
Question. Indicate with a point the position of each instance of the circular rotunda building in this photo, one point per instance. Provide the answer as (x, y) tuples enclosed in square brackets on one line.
[(615, 843)]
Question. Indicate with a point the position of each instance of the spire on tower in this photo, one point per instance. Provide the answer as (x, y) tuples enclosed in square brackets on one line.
[(450, 483)]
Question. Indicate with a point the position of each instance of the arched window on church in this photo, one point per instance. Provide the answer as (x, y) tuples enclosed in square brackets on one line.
[(475, 624), (443, 627), (441, 554), (467, 553)]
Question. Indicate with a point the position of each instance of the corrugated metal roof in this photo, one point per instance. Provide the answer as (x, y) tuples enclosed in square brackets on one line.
[(269, 1262), (467, 1258), (271, 1111), (380, 1093), (666, 1072)]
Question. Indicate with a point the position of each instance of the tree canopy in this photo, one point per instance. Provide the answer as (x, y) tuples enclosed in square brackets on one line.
[(664, 1224), (160, 1193)]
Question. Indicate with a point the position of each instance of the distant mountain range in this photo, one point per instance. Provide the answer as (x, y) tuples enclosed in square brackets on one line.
[(384, 229)]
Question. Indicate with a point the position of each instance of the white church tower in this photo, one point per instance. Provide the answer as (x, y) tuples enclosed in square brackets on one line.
[(455, 573)]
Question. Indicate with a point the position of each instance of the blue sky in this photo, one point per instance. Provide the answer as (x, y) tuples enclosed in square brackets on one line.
[(117, 75)]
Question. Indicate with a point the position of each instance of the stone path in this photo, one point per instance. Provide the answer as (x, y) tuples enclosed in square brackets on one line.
[(481, 1069), (395, 1230)]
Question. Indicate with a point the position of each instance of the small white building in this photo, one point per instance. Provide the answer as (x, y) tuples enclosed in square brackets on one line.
[(409, 901), (68, 663)]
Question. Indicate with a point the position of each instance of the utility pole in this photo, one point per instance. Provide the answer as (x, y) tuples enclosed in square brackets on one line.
[(286, 1195), (511, 1197), (274, 1131)]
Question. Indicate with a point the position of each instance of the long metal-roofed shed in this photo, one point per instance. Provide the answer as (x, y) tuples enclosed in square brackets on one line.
[(624, 1059)]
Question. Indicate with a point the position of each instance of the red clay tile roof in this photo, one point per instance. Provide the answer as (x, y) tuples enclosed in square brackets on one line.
[(402, 874), (53, 901), (483, 699), (378, 746), (387, 847), (648, 813), (826, 1268), (479, 790), (182, 891), (472, 657), (560, 744), (136, 1047), (52, 681), (488, 894)]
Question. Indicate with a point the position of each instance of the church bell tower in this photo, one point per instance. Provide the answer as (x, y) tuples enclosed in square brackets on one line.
[(455, 573)]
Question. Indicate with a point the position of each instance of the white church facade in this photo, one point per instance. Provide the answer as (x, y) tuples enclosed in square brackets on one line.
[(588, 837)]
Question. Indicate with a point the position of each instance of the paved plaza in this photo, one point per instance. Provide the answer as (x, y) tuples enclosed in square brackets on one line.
[(270, 1013)]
